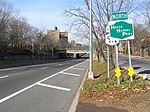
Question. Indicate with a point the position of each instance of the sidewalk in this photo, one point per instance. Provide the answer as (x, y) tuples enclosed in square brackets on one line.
[(87, 107), (139, 104)]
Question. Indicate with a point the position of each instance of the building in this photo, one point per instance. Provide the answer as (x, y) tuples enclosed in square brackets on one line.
[(59, 39), (63, 39)]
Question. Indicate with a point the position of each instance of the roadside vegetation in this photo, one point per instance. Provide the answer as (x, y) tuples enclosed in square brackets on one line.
[(104, 91)]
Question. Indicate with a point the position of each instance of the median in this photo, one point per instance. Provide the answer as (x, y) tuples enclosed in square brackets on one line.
[(105, 92)]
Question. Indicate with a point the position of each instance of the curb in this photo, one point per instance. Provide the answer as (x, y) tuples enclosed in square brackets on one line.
[(75, 101), (144, 76)]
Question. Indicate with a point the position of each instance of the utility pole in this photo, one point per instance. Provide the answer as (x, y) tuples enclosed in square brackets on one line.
[(90, 74), (33, 48)]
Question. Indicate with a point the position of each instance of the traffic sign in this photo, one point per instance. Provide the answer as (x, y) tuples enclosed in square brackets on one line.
[(108, 40), (118, 72), (121, 29), (131, 71), (119, 16)]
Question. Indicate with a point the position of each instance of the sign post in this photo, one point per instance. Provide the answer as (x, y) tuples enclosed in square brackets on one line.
[(121, 28), (108, 62), (118, 74), (130, 69), (110, 42), (90, 74)]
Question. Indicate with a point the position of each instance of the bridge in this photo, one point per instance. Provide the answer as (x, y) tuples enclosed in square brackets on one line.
[(75, 53), (72, 52)]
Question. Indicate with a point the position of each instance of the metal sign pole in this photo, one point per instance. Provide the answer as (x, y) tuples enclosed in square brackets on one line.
[(116, 47), (90, 74), (129, 53), (108, 61), (116, 55)]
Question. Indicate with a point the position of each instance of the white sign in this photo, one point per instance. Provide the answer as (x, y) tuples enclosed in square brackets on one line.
[(108, 40)]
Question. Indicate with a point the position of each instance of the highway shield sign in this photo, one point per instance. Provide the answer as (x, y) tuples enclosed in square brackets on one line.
[(121, 30)]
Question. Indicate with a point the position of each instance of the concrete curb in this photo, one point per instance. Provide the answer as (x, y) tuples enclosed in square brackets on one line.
[(144, 76), (76, 98)]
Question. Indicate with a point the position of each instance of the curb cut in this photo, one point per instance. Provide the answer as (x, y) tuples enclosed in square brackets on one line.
[(75, 101)]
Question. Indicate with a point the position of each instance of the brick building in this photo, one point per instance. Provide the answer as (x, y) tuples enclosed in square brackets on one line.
[(59, 39)]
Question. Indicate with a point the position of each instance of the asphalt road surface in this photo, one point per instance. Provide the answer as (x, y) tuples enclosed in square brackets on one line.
[(41, 88), (140, 65)]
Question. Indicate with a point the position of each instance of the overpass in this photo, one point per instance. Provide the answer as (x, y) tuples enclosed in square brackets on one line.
[(75, 53)]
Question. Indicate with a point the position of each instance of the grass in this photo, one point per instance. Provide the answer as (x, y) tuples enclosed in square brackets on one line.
[(103, 85), (100, 69)]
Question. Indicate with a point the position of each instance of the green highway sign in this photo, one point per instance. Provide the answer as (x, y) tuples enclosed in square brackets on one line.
[(119, 16), (121, 30)]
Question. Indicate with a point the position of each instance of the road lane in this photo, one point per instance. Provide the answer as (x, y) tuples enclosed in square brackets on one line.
[(59, 81), (21, 77)]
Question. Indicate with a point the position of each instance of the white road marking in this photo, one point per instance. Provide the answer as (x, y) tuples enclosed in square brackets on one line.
[(70, 74), (60, 64), (44, 68), (28, 87), (4, 77), (7, 69), (16, 93), (54, 87), (78, 68)]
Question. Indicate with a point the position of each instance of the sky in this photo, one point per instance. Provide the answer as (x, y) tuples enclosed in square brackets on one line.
[(45, 14)]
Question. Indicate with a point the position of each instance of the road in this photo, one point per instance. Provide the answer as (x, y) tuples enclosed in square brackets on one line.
[(140, 65), (41, 88)]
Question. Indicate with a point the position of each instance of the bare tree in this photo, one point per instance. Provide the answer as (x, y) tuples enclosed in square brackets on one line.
[(146, 12), (102, 10), (140, 32), (19, 29), (42, 42), (17, 35), (6, 14)]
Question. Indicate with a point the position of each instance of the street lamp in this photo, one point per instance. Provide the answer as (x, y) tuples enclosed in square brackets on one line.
[(90, 74)]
